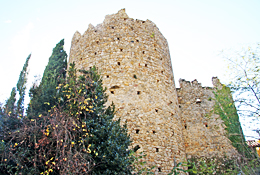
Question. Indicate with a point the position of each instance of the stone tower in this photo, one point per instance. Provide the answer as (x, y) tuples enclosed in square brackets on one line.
[(133, 58)]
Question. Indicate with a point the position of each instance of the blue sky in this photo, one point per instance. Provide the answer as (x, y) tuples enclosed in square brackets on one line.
[(196, 32)]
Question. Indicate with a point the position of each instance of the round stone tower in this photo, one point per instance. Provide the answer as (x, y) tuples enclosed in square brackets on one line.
[(134, 60)]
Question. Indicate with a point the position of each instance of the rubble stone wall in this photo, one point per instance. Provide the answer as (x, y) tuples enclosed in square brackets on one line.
[(203, 131), (133, 58)]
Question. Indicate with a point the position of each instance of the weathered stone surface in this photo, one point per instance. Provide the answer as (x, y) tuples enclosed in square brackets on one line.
[(204, 133), (133, 58)]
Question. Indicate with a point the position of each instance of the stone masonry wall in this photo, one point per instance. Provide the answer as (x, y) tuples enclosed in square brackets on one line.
[(203, 136), (133, 58)]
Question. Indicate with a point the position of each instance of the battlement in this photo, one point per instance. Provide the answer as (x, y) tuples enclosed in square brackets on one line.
[(204, 136), (134, 60)]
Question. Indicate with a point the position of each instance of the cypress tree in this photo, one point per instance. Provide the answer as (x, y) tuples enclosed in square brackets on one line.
[(77, 137), (12, 113), (21, 87), (44, 95)]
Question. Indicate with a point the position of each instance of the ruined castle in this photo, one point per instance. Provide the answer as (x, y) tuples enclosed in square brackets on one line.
[(168, 124)]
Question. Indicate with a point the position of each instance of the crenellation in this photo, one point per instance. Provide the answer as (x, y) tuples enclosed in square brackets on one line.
[(169, 124)]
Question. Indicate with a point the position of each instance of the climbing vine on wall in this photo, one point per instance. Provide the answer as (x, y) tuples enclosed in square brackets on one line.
[(226, 109)]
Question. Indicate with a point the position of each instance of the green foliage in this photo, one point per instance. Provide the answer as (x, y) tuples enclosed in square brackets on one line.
[(46, 91), (12, 112), (21, 87), (226, 109), (214, 165), (77, 135), (9, 120), (138, 165), (178, 169), (10, 103)]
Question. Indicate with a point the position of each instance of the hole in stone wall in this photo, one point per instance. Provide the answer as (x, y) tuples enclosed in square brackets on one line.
[(132, 28), (112, 92), (137, 147), (143, 52), (162, 72), (161, 58), (137, 131), (115, 87), (155, 49), (107, 76), (160, 169), (198, 101), (179, 106), (138, 92), (121, 50), (143, 22), (156, 110), (118, 63), (154, 132), (80, 58), (95, 31), (170, 102), (145, 65), (157, 81), (135, 76), (125, 18), (112, 27), (206, 124), (118, 38), (97, 42), (172, 133), (185, 126), (157, 149), (95, 53), (137, 40), (90, 67), (132, 41)]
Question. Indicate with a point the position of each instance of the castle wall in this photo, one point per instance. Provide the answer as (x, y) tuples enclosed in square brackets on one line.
[(203, 131), (133, 58)]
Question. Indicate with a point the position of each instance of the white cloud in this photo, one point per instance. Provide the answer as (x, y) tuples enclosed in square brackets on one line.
[(8, 21)]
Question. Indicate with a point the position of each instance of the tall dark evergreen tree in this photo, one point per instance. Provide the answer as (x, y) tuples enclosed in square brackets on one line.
[(10, 103), (12, 112), (44, 95), (77, 137), (21, 87)]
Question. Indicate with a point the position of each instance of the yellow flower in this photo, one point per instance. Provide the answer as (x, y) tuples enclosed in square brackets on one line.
[(40, 115), (90, 107), (72, 143), (15, 144), (95, 97), (53, 163), (5, 160), (84, 130), (32, 120), (50, 170)]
